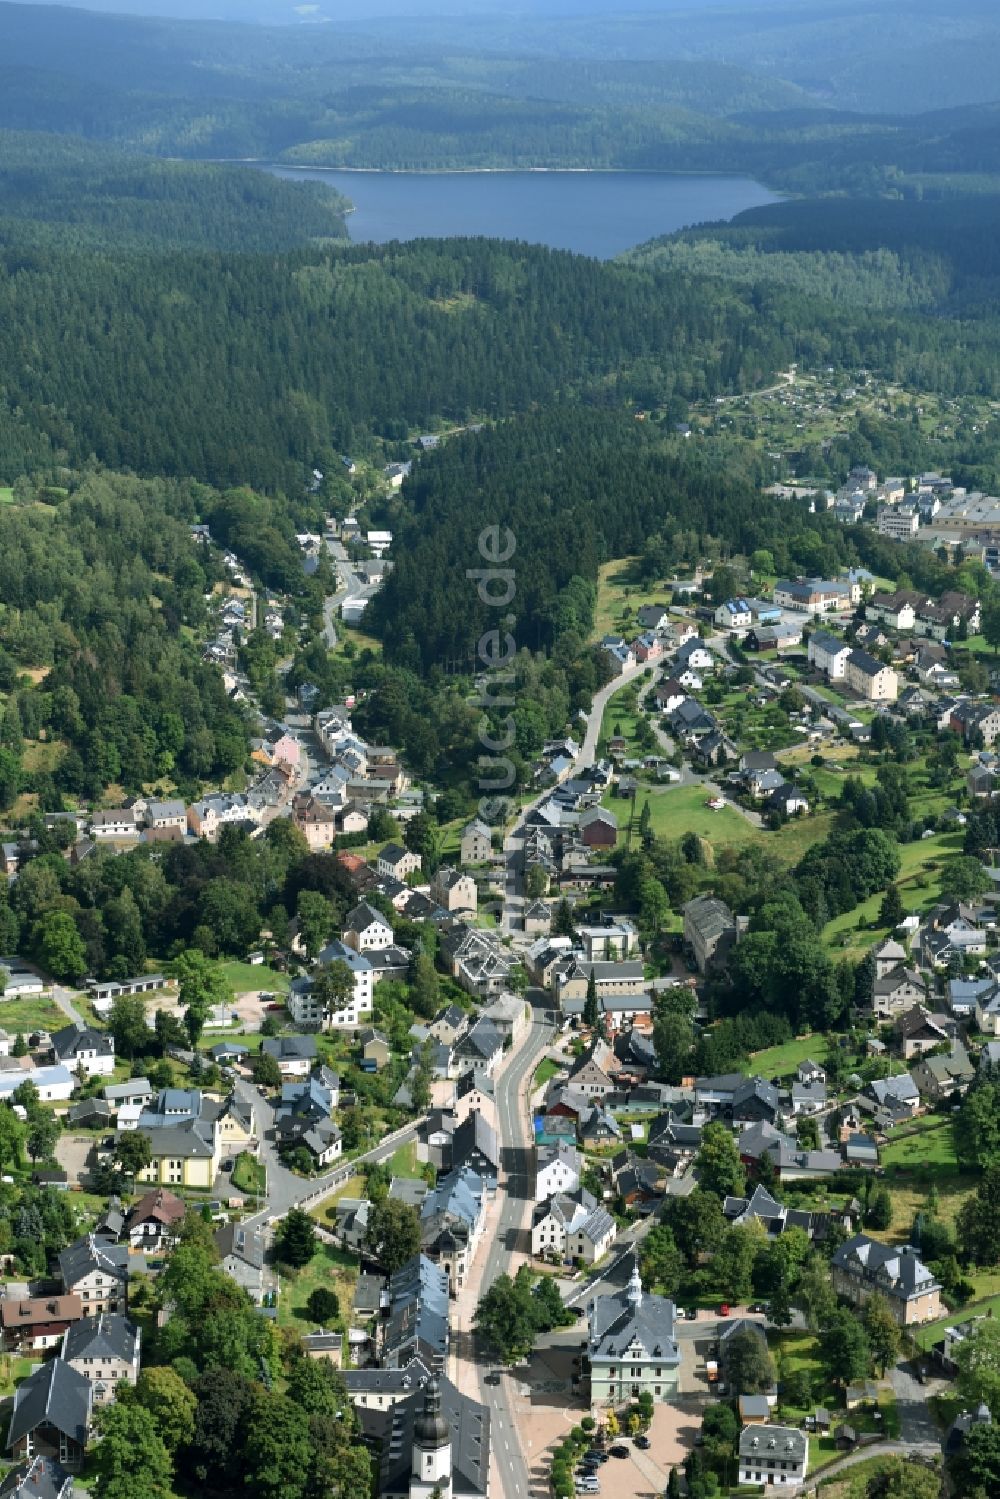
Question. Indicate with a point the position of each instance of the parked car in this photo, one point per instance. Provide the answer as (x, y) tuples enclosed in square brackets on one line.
[(760, 1307), (618, 1450), (643, 1442), (724, 1309), (691, 1315)]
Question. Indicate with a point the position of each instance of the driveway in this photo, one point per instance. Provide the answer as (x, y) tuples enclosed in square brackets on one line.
[(916, 1424)]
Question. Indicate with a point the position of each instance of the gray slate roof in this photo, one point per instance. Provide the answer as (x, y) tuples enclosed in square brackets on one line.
[(56, 1395), (616, 1322), (107, 1336)]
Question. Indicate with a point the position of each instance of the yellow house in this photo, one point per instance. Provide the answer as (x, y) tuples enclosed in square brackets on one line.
[(182, 1127), (236, 1123)]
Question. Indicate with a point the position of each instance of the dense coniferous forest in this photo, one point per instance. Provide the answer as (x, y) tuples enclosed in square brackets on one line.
[(102, 595), (77, 194), (252, 368), (575, 488)]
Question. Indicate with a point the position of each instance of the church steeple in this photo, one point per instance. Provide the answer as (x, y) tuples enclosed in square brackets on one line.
[(431, 1466), (635, 1286)]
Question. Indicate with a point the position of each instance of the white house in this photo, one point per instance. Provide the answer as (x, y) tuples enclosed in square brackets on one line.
[(773, 1456), (54, 1084), (829, 655), (558, 1169), (734, 614)]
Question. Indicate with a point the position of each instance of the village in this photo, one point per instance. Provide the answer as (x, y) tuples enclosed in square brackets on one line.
[(387, 1180)]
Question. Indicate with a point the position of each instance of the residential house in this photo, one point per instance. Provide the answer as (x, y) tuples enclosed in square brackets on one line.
[(309, 1010), (475, 844), (653, 617), (295, 1055), (590, 1076), (709, 930), (452, 1222), (920, 1032), (97, 1271), (34, 1324), (315, 820), (828, 655), (946, 1076), (772, 1456), (366, 929), (375, 1049), (734, 615), (557, 1169), (154, 1220), (397, 861), (167, 814), (105, 1350), (693, 656), (481, 1046), (571, 1226), (988, 1010), (891, 1099), (614, 937), (37, 1478), (454, 890), (241, 1251), (808, 596), (83, 1050), (51, 1415), (897, 991), (863, 1266), (888, 955), (118, 822), (869, 678), (475, 1146), (632, 1346), (508, 1014)]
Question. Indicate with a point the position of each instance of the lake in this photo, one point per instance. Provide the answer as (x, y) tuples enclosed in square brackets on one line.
[(594, 213)]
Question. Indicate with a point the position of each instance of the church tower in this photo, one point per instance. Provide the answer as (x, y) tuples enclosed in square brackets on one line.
[(634, 1292), (432, 1457)]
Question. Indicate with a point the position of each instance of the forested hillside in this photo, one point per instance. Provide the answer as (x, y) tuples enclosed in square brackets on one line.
[(77, 194), (250, 369), (72, 194), (575, 488), (619, 91), (100, 594)]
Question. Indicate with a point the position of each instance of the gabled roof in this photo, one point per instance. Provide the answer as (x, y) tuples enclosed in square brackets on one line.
[(107, 1336), (93, 1253), (38, 1478), (158, 1206), (54, 1395), (75, 1038)]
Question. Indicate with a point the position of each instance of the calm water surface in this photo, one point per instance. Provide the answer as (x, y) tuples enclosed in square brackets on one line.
[(594, 213)]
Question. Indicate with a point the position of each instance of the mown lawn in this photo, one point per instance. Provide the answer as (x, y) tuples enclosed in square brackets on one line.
[(781, 1061), (247, 977), (676, 810), (546, 1069), (919, 882), (249, 1175)]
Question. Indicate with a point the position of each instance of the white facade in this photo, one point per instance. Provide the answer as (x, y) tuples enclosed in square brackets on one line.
[(901, 524)]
